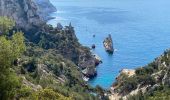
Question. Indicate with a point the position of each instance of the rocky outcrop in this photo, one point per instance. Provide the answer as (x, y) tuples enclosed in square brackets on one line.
[(98, 60), (87, 65), (59, 26), (29, 84), (24, 12), (128, 72), (145, 79), (108, 44), (45, 8), (66, 43), (89, 72)]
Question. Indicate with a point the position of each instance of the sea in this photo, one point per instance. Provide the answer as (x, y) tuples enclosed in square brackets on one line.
[(140, 30)]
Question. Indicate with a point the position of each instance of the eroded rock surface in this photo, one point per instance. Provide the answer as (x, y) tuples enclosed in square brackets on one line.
[(108, 44)]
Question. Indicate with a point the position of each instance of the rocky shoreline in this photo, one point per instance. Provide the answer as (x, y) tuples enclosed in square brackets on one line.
[(115, 95), (143, 81), (86, 61)]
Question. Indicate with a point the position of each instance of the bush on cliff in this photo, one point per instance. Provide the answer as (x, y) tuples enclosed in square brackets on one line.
[(6, 24)]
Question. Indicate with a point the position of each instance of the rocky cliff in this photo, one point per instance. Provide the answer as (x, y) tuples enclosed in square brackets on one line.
[(27, 13), (24, 12), (45, 8)]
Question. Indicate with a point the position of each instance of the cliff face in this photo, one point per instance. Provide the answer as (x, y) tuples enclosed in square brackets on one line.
[(45, 8), (24, 12)]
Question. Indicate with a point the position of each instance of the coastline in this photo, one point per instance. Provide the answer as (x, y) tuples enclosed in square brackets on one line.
[(88, 67), (144, 81), (129, 52), (55, 59)]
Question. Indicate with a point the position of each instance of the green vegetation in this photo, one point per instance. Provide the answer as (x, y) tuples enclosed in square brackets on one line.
[(46, 94), (66, 78), (42, 67), (143, 76), (159, 93), (10, 49), (6, 24)]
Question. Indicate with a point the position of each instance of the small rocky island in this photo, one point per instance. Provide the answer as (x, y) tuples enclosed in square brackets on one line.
[(108, 44)]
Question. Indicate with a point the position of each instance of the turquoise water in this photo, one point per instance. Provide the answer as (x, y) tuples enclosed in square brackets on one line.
[(140, 30)]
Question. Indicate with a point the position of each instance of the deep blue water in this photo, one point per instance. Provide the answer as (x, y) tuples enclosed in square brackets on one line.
[(140, 30)]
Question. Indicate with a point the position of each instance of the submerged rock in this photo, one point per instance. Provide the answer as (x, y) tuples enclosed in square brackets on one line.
[(108, 44)]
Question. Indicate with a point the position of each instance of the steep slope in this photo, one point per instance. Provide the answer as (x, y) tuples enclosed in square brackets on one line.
[(63, 40), (54, 60), (66, 43), (147, 80)]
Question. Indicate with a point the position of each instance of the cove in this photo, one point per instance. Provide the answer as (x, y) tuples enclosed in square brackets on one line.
[(139, 28)]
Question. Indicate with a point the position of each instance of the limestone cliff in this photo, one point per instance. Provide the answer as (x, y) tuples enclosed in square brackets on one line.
[(24, 12)]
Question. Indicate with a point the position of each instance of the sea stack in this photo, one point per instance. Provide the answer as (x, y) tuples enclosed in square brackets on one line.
[(108, 44)]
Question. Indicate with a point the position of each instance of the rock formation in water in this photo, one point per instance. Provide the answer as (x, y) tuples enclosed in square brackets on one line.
[(108, 44), (93, 46)]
